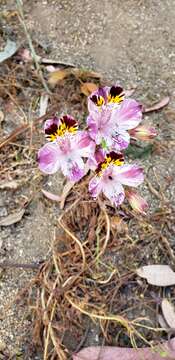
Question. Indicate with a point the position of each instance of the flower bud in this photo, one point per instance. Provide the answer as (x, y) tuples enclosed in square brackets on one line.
[(143, 132), (136, 201)]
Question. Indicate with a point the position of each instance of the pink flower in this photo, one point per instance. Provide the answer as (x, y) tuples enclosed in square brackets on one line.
[(111, 175), (66, 150), (143, 132), (137, 202), (111, 116)]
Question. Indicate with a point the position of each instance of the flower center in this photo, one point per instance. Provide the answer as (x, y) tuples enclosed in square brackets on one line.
[(98, 100), (116, 95), (66, 125), (111, 159)]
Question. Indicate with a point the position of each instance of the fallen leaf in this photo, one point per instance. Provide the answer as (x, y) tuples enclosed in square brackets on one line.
[(163, 351), (157, 106), (51, 196), (9, 50), (168, 311), (87, 88), (1, 116), (162, 322), (56, 62), (12, 218), (159, 275), (84, 74), (58, 75), (43, 104), (69, 185)]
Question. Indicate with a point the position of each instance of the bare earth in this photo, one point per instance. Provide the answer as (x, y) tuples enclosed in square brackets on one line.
[(130, 42)]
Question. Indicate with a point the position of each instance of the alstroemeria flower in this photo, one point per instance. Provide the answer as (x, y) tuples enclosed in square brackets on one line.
[(111, 175), (67, 149), (111, 116), (143, 132)]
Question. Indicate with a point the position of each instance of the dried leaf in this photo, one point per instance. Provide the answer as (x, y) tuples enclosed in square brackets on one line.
[(43, 104), (84, 74), (69, 185), (12, 218), (87, 88), (159, 105), (159, 275), (1, 116), (9, 50), (55, 62), (51, 196), (168, 313), (164, 351), (162, 322), (117, 224), (58, 75)]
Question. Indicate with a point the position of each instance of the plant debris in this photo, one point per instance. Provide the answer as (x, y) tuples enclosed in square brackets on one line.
[(12, 218), (9, 50), (168, 312), (159, 275), (157, 106)]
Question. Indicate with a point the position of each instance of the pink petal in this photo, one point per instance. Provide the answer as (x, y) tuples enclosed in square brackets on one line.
[(128, 115), (96, 158), (72, 166), (95, 186), (85, 144), (92, 127), (121, 141), (117, 353), (131, 175), (114, 192), (49, 158), (76, 173)]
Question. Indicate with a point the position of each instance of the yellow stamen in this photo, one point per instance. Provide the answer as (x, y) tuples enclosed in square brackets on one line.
[(62, 130), (108, 161), (100, 101), (115, 99)]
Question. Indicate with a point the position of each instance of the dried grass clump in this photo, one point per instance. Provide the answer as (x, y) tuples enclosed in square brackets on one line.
[(79, 284)]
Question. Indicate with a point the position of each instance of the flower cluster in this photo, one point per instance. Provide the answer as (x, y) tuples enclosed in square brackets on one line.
[(112, 120)]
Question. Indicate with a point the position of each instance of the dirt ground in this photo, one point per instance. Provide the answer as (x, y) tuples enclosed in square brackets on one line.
[(130, 42)]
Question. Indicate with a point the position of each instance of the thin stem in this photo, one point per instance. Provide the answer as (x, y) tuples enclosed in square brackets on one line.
[(33, 53)]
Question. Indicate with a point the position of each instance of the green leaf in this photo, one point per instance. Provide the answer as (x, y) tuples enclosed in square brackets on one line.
[(139, 152)]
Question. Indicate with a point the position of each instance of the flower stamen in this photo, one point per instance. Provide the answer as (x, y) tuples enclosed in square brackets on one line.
[(66, 125), (116, 95), (98, 100), (111, 159)]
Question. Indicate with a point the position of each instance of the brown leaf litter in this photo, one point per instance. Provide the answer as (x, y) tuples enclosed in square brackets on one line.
[(91, 274)]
